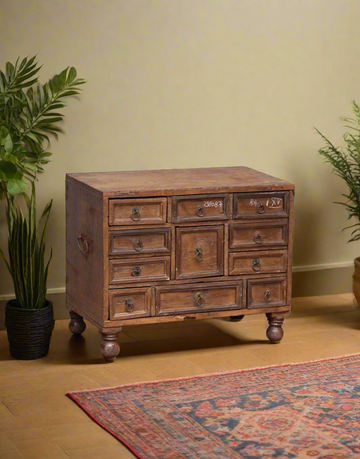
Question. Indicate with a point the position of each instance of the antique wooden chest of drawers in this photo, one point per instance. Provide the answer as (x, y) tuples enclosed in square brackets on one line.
[(170, 245)]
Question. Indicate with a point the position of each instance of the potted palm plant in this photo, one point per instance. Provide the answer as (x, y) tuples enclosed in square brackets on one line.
[(29, 114), (345, 162)]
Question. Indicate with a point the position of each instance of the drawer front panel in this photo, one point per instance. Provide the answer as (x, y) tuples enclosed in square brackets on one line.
[(138, 242), (258, 234), (261, 205), (198, 298), (200, 208), (144, 211), (199, 252), (260, 262), (130, 303), (139, 270), (264, 293)]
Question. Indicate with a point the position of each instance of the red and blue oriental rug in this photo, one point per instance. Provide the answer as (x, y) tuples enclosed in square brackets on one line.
[(307, 410)]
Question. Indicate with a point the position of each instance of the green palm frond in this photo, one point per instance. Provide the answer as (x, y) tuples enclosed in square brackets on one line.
[(345, 164), (30, 113)]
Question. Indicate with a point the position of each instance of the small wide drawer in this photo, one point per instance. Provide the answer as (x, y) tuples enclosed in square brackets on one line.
[(199, 251), (198, 298), (271, 261), (261, 205), (130, 303), (200, 207), (141, 211), (139, 270), (258, 234), (132, 242), (266, 293)]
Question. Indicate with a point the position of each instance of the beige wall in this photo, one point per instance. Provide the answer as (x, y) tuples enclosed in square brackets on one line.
[(192, 83)]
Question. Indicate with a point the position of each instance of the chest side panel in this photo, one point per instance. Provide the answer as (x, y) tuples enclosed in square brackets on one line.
[(86, 249)]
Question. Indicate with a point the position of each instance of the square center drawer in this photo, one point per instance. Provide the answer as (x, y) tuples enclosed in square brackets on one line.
[(132, 242), (200, 207), (199, 251)]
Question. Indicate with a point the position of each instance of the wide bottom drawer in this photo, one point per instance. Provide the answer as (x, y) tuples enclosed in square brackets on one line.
[(129, 303), (198, 298), (265, 293)]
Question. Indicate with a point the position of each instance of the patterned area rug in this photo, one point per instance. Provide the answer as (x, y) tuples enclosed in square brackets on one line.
[(308, 410)]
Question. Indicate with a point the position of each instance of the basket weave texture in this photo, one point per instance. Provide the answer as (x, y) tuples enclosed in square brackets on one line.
[(29, 330)]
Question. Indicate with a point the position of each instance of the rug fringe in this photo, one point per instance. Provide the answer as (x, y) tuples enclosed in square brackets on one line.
[(184, 378)]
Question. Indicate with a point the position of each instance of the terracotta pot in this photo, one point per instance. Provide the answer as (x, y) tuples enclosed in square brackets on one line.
[(356, 280), (29, 330)]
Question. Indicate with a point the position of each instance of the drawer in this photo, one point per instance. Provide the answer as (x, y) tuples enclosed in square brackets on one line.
[(266, 293), (271, 261), (261, 205), (198, 298), (130, 303), (258, 234), (139, 270), (132, 242), (200, 207), (199, 251), (144, 211)]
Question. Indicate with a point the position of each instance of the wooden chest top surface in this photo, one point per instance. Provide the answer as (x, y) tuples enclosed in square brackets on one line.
[(179, 181)]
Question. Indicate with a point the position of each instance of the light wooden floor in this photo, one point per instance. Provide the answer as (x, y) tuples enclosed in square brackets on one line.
[(37, 420)]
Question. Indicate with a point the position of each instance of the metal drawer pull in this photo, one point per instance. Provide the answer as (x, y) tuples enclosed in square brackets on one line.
[(200, 212), (267, 295), (136, 271), (260, 208), (138, 245), (83, 244), (258, 238), (129, 305), (135, 214), (199, 299), (256, 264), (199, 254)]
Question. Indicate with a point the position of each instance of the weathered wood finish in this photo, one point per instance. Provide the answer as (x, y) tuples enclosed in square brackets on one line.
[(199, 252), (137, 211), (261, 205), (258, 262), (198, 297), (171, 245), (200, 208), (259, 235), (129, 303), (263, 293), (139, 270), (139, 242)]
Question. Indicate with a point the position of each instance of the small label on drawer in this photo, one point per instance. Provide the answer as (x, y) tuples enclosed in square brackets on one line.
[(213, 203), (272, 203)]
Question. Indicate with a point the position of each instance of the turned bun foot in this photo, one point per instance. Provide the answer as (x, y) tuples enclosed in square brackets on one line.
[(274, 332), (109, 346), (236, 318), (77, 325)]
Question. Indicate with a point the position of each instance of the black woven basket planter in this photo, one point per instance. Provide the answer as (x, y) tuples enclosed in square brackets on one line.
[(29, 330)]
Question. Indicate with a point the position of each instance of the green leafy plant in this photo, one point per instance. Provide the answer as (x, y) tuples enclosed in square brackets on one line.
[(345, 162), (26, 246), (29, 116)]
